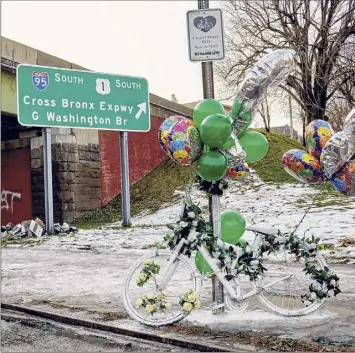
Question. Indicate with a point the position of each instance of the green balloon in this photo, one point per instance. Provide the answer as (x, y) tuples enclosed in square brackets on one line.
[(255, 145), (229, 144), (215, 130), (242, 243), (239, 111), (242, 130), (202, 265), (212, 166), (205, 108), (232, 226)]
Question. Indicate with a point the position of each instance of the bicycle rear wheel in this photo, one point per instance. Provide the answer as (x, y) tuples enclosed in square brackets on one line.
[(285, 296), (180, 282)]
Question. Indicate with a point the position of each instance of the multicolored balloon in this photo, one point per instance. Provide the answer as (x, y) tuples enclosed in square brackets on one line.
[(238, 173), (184, 144), (318, 133), (164, 131), (344, 180), (302, 166)]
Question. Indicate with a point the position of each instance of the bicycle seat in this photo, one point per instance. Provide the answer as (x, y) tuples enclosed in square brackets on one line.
[(265, 231)]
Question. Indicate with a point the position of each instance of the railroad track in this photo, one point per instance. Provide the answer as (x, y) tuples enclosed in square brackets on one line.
[(123, 332)]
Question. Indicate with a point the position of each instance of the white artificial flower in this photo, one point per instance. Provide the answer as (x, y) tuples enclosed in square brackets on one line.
[(312, 246), (307, 303), (197, 304), (191, 298), (195, 223), (191, 214), (149, 308), (193, 235), (332, 282), (183, 224), (215, 254), (314, 296), (150, 296), (187, 307), (165, 293), (317, 286), (254, 262), (139, 302)]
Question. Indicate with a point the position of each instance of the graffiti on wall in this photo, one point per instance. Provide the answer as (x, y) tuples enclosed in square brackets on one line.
[(7, 199)]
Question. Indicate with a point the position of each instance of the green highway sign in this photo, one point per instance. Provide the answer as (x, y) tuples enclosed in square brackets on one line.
[(54, 97)]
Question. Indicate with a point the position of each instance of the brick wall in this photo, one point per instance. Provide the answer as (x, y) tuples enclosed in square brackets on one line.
[(144, 153), (16, 202)]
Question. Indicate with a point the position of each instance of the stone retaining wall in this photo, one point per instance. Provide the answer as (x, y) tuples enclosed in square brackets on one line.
[(76, 180)]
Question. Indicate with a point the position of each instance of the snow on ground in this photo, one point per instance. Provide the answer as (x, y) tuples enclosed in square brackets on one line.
[(87, 270), (281, 206)]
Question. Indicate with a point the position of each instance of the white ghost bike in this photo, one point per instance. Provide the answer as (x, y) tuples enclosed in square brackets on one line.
[(280, 287)]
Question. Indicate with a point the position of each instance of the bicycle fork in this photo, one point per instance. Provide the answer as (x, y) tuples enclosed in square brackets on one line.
[(171, 267)]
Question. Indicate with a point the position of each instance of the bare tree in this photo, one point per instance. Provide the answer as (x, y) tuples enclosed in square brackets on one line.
[(271, 98), (320, 32), (337, 112), (264, 112)]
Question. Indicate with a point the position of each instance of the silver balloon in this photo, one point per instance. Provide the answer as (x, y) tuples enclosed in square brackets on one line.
[(335, 153), (236, 154), (340, 147), (269, 72), (349, 125)]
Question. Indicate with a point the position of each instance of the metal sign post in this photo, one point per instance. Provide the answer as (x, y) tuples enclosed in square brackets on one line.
[(48, 182), (54, 97), (125, 192), (214, 200)]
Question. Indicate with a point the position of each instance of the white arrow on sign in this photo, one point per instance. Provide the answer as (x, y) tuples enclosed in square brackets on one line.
[(142, 109)]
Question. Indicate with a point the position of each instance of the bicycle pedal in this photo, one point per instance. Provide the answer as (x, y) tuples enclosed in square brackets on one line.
[(218, 308)]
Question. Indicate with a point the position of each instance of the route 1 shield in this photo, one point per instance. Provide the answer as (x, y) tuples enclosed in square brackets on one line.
[(40, 80)]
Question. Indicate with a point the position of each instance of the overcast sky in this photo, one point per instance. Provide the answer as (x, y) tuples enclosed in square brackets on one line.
[(142, 38), (138, 38)]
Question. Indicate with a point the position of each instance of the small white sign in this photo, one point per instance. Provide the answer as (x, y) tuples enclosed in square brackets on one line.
[(205, 35)]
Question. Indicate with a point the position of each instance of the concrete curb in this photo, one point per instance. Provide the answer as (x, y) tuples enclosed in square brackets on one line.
[(117, 330)]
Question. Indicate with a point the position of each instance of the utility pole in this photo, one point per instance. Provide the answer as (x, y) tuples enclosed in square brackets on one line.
[(214, 200)]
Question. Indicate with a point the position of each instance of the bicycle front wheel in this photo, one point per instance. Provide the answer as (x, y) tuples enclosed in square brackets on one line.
[(281, 287), (182, 279)]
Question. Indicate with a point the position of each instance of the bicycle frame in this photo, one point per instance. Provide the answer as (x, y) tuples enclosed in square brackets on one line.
[(172, 265)]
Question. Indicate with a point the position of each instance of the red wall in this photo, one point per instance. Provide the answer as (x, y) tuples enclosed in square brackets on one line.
[(144, 153), (16, 178)]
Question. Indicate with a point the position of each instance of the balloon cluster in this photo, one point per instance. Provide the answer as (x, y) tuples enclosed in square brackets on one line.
[(328, 156), (220, 143)]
